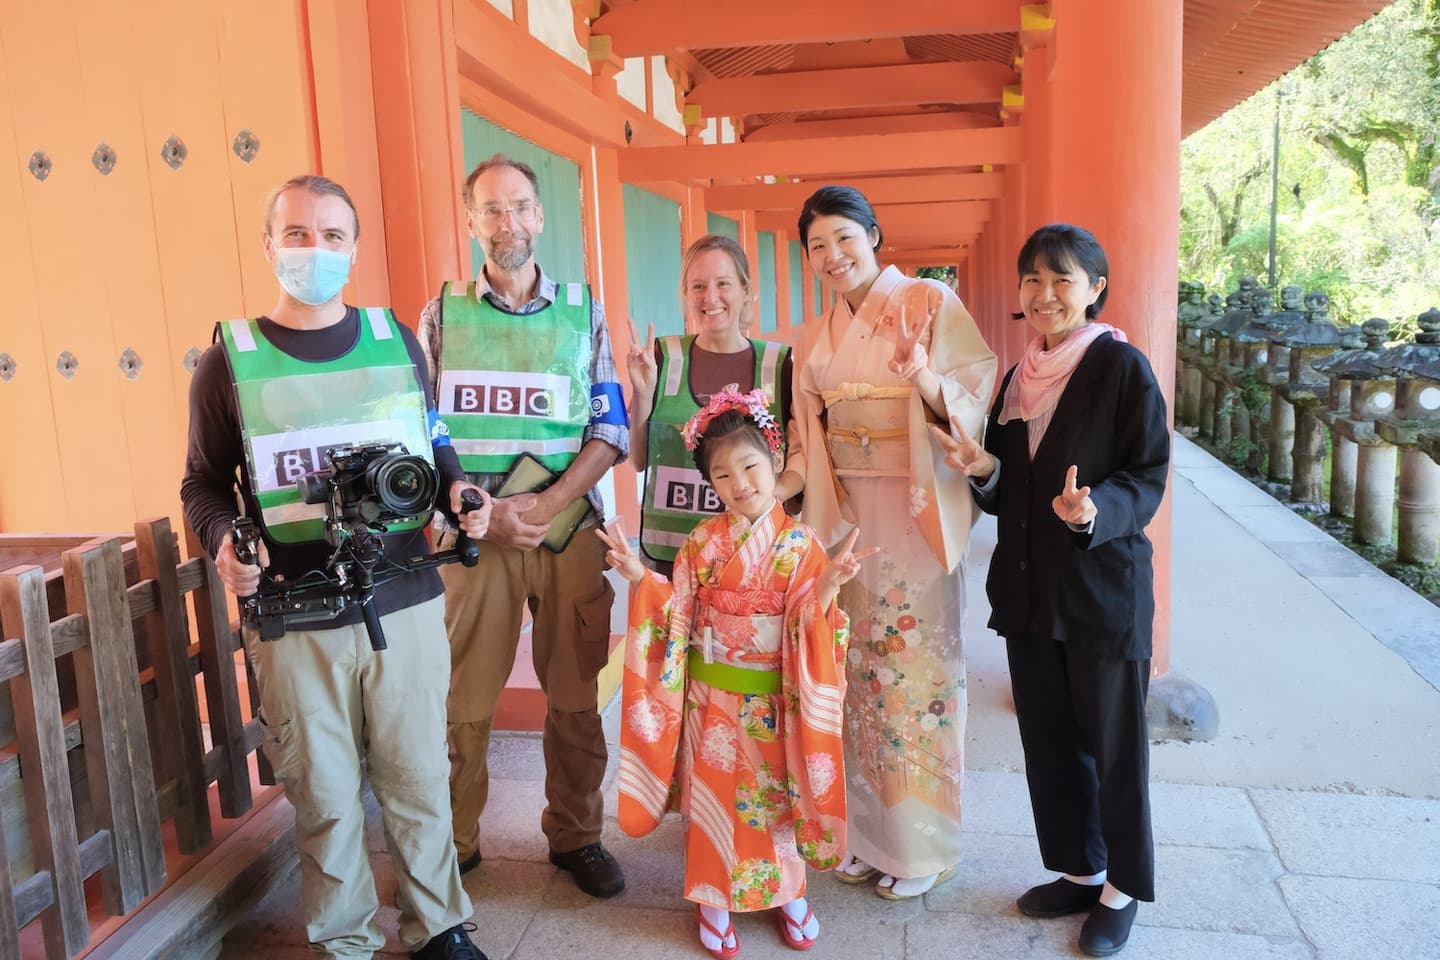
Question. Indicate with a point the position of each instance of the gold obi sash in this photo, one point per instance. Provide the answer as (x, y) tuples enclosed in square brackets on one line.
[(754, 614), (866, 427)]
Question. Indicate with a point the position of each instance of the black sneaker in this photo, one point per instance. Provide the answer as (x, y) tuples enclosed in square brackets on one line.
[(453, 944), (595, 871)]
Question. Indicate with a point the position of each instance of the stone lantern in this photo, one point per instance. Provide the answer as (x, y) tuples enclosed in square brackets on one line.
[(1300, 394), (1250, 354), (1219, 339), (1192, 316), (1416, 367), (1371, 395), (1214, 311)]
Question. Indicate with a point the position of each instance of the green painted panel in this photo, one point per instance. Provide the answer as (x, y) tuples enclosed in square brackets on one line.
[(724, 226), (652, 260), (765, 272), (797, 281), (819, 297), (560, 247)]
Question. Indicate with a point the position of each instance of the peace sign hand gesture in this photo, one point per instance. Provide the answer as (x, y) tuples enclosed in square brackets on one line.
[(620, 557), (1074, 506), (640, 361), (910, 356), (841, 569), (964, 455)]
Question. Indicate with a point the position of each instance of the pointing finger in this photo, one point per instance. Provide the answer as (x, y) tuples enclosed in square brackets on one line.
[(650, 338), (868, 551), (850, 542), (1070, 491)]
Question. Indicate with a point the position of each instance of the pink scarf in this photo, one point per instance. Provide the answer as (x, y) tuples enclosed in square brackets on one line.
[(1043, 374)]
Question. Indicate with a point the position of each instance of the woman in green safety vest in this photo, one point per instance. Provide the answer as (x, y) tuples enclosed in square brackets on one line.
[(674, 376)]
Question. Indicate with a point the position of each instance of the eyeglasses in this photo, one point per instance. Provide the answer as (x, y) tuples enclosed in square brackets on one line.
[(524, 211)]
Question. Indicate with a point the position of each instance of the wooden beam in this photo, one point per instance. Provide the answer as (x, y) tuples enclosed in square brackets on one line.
[(919, 217), (862, 154), (920, 188), (884, 126), (944, 254), (510, 64), (649, 27), (853, 88)]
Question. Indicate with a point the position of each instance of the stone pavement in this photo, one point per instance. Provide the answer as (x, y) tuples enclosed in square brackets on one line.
[(1310, 828)]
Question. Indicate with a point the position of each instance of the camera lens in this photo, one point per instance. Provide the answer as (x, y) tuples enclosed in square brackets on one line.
[(404, 485)]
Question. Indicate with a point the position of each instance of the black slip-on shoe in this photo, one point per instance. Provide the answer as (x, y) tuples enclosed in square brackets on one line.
[(1058, 898), (595, 870), (1106, 930)]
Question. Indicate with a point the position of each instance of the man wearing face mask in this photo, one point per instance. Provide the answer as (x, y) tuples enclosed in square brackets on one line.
[(523, 365), (265, 400)]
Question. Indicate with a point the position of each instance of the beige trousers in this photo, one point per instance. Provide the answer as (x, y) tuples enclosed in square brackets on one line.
[(569, 600), (336, 711)]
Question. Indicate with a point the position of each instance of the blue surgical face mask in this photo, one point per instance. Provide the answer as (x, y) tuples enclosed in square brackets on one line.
[(312, 275)]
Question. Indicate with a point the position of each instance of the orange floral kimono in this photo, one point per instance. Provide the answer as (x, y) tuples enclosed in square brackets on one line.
[(734, 682)]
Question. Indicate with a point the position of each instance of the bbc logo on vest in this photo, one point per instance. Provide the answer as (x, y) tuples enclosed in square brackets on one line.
[(504, 394)]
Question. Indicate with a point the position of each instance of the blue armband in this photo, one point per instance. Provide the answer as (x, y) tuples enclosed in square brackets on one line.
[(439, 432), (607, 404)]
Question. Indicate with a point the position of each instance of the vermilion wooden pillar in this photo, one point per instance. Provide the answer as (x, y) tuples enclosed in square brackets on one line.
[(1014, 333), (417, 126), (1115, 93), (1039, 164)]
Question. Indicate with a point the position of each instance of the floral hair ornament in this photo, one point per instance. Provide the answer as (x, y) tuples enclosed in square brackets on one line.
[(753, 405)]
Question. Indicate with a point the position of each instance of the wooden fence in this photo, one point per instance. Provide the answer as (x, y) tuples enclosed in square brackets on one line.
[(110, 737)]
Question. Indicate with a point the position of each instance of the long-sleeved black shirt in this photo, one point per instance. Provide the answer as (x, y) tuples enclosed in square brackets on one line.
[(215, 466)]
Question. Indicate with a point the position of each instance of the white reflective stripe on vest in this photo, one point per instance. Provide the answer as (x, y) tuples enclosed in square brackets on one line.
[(663, 538), (574, 294), (379, 325), (535, 447), (769, 369), (676, 374), (240, 333), (293, 513)]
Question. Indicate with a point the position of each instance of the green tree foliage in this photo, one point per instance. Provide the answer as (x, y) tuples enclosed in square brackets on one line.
[(1359, 183)]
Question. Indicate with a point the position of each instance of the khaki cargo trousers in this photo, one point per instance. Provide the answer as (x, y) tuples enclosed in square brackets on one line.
[(335, 712), (569, 600)]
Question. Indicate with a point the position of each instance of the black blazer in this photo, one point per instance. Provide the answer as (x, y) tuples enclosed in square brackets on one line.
[(1094, 590)]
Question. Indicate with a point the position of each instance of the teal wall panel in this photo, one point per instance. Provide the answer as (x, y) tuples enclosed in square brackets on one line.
[(714, 223), (765, 273), (652, 260), (797, 280), (560, 248)]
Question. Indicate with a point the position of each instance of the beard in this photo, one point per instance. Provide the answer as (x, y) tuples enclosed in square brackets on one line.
[(513, 254)]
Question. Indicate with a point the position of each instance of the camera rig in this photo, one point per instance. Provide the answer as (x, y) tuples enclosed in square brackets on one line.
[(365, 489)]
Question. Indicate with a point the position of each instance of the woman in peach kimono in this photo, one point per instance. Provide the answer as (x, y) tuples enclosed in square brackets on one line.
[(733, 687), (892, 356)]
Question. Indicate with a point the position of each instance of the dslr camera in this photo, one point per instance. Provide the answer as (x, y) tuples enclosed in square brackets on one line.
[(369, 486), (365, 489)]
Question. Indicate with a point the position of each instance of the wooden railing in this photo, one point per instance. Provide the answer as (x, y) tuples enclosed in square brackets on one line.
[(109, 733)]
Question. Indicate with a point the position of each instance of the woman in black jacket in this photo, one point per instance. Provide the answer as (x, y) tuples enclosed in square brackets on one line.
[(1074, 465)]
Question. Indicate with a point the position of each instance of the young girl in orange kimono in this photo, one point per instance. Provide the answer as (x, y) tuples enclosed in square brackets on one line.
[(734, 681)]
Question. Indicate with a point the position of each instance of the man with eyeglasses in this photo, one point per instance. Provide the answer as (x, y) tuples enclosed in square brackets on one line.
[(522, 365)]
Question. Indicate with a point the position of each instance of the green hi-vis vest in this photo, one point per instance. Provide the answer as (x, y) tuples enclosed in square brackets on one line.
[(292, 411), (676, 495), (514, 383)]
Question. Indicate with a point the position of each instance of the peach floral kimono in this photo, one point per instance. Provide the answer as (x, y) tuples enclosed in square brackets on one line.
[(861, 442), (733, 687)]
